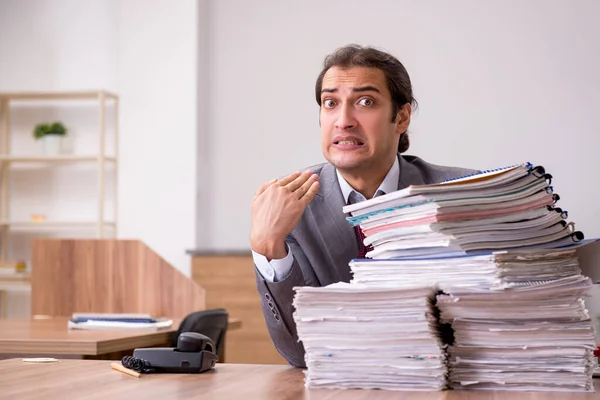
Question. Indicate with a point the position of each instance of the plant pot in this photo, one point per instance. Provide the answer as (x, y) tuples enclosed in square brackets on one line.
[(52, 144)]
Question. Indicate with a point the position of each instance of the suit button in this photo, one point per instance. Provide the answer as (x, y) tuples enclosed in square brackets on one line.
[(274, 312), (277, 317), (268, 297), (270, 304)]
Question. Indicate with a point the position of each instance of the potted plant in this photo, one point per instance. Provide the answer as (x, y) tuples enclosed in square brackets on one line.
[(51, 134)]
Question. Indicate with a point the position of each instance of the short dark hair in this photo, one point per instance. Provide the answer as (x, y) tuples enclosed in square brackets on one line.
[(396, 75)]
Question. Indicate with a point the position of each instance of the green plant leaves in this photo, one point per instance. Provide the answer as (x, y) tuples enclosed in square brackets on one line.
[(55, 128)]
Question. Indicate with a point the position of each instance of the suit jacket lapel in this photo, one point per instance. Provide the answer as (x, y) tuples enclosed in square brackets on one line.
[(409, 174), (332, 226)]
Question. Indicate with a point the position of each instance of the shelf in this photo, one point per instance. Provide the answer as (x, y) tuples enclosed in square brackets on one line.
[(54, 159), (102, 159), (15, 286), (83, 95), (33, 225), (15, 277)]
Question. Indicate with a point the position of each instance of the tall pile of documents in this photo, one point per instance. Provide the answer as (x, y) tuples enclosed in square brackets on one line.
[(533, 336), (370, 337), (509, 311), (517, 317)]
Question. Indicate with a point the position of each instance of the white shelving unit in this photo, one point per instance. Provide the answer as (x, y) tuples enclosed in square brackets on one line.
[(101, 159)]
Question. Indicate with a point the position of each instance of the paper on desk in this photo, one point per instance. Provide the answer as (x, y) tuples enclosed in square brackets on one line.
[(92, 325)]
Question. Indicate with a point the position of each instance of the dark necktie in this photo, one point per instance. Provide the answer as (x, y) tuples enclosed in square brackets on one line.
[(362, 249), (360, 236)]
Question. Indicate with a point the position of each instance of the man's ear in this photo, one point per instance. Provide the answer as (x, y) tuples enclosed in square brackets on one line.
[(403, 118)]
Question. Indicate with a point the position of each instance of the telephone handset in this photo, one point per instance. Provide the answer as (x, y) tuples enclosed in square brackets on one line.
[(194, 353)]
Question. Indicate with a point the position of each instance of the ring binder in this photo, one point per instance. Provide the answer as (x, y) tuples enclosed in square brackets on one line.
[(555, 197), (578, 236), (538, 171), (563, 213)]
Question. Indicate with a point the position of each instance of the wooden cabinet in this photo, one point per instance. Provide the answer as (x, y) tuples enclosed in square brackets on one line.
[(229, 282)]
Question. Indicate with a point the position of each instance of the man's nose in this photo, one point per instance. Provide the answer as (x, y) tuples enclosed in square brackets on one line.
[(345, 119)]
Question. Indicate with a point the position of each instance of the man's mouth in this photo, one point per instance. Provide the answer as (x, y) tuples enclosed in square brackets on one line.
[(349, 142)]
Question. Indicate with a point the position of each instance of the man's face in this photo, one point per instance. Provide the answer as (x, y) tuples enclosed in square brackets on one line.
[(357, 131)]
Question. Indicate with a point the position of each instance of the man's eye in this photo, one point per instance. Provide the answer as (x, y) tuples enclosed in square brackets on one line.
[(366, 102), (328, 103)]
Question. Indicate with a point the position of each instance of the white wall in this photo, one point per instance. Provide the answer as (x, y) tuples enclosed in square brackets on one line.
[(157, 61), (57, 45), (498, 83), (146, 51)]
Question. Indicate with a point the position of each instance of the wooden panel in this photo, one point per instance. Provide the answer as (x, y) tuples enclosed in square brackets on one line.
[(229, 282), (122, 258), (108, 276), (91, 379), (89, 274), (51, 276)]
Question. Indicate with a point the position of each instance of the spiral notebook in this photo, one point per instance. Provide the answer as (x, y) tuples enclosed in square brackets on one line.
[(479, 181), (480, 175)]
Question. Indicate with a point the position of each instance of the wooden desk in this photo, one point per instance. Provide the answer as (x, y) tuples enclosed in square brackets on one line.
[(51, 336), (93, 379)]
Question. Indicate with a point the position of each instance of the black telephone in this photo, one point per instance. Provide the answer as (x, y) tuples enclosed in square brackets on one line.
[(194, 353)]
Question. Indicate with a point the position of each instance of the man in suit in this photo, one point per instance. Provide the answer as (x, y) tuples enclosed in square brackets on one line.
[(299, 232)]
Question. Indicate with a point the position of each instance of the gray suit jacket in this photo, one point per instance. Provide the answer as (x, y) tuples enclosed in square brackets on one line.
[(323, 243)]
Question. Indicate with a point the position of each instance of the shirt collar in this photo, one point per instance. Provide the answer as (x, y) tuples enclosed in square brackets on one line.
[(389, 184)]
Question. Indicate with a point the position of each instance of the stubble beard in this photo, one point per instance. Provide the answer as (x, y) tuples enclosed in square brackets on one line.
[(351, 164)]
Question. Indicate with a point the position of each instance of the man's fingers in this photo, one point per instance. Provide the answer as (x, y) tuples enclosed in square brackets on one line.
[(310, 194), (264, 187), (302, 190), (299, 181), (289, 178)]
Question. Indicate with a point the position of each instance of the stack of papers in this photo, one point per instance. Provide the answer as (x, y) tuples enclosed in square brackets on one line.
[(117, 321), (533, 337), (518, 317), (370, 337), (512, 208), (492, 271), (508, 311)]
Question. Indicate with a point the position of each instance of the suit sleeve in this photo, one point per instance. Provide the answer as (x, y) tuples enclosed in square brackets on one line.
[(276, 300)]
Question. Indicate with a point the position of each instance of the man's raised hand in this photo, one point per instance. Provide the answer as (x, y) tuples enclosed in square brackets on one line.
[(277, 208)]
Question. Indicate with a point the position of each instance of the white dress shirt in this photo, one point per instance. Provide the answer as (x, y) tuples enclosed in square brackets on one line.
[(278, 269)]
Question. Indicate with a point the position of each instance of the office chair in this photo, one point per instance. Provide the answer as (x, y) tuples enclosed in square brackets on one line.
[(212, 323)]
